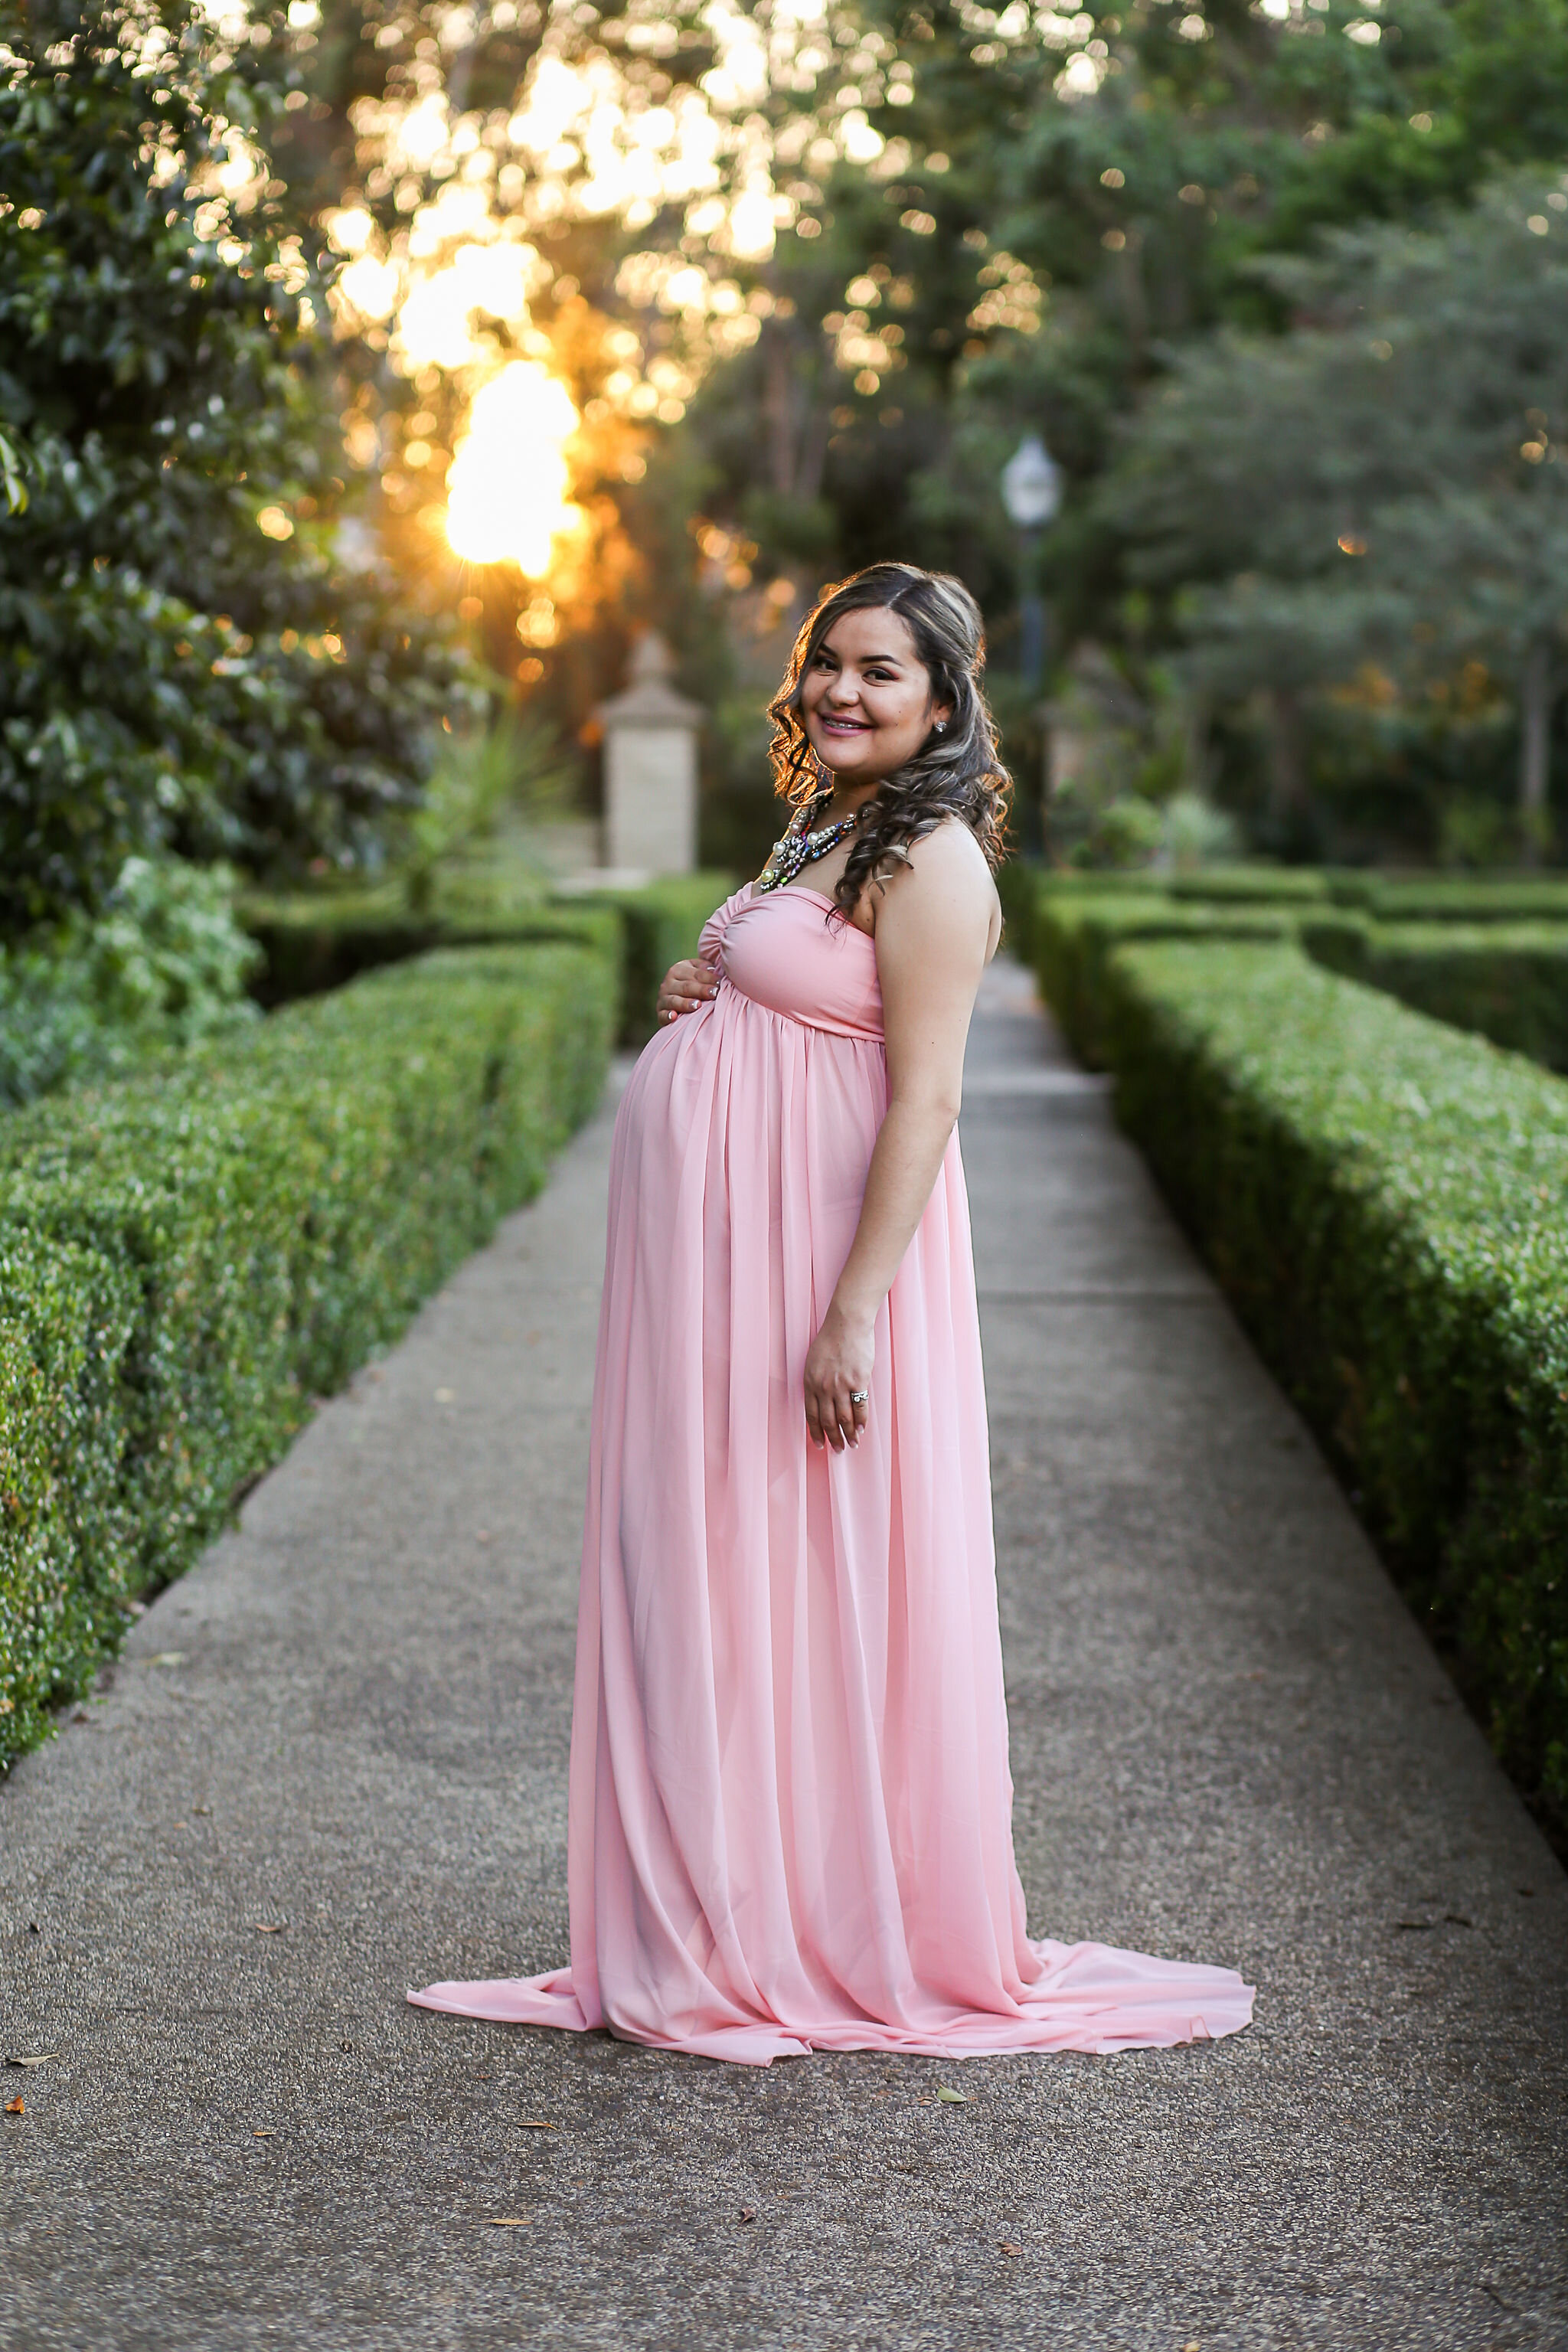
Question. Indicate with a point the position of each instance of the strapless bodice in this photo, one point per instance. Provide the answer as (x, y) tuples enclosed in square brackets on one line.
[(788, 952)]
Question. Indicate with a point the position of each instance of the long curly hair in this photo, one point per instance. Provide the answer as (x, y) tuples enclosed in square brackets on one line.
[(957, 774)]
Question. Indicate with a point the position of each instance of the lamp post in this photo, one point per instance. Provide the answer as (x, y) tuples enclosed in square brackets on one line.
[(1031, 492)]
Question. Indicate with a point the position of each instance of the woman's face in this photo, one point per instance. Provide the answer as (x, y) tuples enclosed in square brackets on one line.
[(866, 697)]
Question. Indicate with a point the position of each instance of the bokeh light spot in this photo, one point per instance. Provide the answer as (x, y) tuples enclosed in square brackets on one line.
[(507, 491)]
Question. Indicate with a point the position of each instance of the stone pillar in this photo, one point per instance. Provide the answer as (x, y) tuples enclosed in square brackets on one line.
[(650, 768)]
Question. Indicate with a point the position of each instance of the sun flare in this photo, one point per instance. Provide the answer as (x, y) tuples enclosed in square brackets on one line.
[(508, 488)]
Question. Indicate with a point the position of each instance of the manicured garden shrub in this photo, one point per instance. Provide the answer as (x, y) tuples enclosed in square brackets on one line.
[(1507, 981), (187, 1261), (1072, 936), (1455, 897), (312, 942), (1252, 885), (67, 1315), (1386, 1201)]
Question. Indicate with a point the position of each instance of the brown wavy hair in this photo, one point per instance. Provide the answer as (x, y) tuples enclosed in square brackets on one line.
[(957, 774)]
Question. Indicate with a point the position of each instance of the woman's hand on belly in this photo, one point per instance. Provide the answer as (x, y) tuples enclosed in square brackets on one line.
[(838, 1379), (686, 986)]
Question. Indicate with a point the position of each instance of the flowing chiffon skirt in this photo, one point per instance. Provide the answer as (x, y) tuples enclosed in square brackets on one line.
[(790, 1804)]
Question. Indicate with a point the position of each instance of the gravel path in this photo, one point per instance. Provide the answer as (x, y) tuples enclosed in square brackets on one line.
[(348, 1726)]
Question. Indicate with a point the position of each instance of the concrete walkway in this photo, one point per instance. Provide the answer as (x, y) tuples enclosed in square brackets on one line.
[(350, 1725)]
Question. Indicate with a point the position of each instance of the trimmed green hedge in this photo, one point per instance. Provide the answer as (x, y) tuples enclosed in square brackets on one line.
[(1455, 897), (186, 1262), (314, 941), (1507, 981), (67, 1315), (1253, 886), (1386, 1201), (1072, 939)]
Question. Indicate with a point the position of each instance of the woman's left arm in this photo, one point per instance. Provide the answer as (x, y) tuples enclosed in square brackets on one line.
[(933, 930)]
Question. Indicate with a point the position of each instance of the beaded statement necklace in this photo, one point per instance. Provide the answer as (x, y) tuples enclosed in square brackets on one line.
[(801, 847)]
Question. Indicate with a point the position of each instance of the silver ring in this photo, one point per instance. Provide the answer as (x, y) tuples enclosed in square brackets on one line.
[(859, 1396)]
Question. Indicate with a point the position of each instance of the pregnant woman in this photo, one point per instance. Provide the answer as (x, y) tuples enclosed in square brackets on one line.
[(790, 1819)]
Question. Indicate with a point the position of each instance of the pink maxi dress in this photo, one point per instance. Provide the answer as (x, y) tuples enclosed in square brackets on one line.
[(790, 1809)]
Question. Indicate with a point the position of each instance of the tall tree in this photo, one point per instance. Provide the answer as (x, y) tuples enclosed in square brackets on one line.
[(190, 660), (1386, 482)]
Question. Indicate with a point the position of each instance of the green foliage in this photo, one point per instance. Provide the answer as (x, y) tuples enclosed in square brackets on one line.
[(163, 967), (315, 941), (1386, 1202), (188, 1261), (1445, 898), (1252, 885), (1140, 207), (312, 941), (1373, 486), (67, 1315), (1073, 935), (1509, 982), (484, 777), (190, 662)]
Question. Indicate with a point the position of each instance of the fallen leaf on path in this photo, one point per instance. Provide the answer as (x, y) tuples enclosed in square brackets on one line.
[(1008, 2247), (507, 2222), (41, 2060), (15, 2107), (169, 1658), (1193, 2347), (278, 1928), (263, 2134), (528, 2123), (951, 2098), (747, 2212)]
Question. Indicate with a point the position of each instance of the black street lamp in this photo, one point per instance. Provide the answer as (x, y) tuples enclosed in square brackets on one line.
[(1031, 492)]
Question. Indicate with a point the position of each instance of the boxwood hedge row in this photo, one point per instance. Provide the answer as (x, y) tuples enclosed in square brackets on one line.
[(1385, 1199), (185, 1262), (1507, 981), (1071, 939), (1504, 978), (315, 941)]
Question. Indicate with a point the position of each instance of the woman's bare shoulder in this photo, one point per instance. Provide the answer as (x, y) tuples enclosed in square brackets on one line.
[(950, 850), (948, 866)]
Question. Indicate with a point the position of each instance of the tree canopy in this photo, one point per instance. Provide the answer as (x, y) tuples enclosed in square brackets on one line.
[(195, 658)]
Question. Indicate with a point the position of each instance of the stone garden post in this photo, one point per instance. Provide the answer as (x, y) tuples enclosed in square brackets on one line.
[(650, 768)]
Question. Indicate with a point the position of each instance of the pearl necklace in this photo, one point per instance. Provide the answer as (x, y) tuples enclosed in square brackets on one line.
[(800, 847)]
